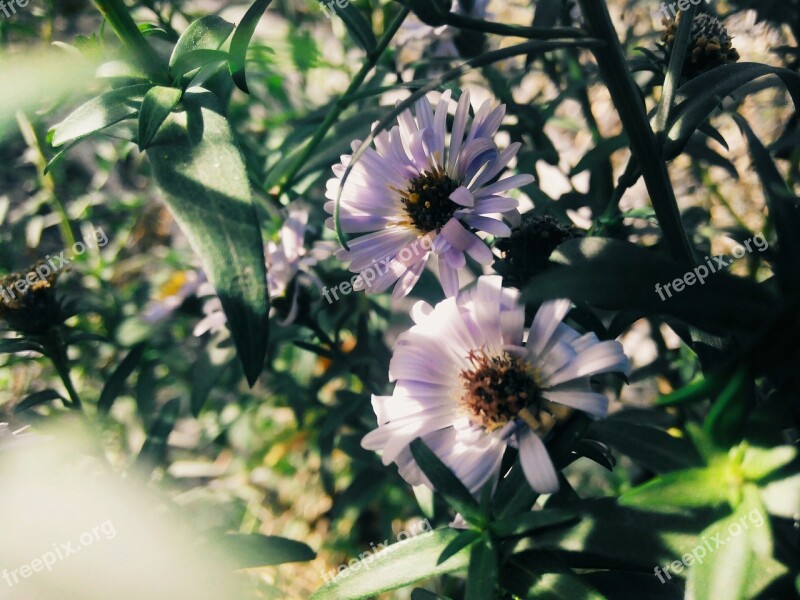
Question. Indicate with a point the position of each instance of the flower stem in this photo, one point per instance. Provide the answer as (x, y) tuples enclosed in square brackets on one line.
[(343, 101), (644, 145), (117, 16)]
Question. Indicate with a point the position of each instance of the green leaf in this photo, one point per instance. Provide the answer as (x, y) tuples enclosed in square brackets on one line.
[(196, 59), (652, 448), (116, 381), (784, 208), (726, 421), (212, 363), (356, 24), (703, 388), (704, 93), (738, 561), (482, 574), (782, 496), (256, 550), (465, 538), (612, 536), (146, 392), (759, 463), (155, 446), (447, 484), (156, 106), (196, 163), (397, 566), (207, 33), (13, 346), (100, 112), (691, 488), (523, 524), (38, 398), (615, 275), (122, 71), (537, 575), (241, 40)]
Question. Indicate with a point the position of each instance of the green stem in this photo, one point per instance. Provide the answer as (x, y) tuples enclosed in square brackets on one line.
[(531, 33), (343, 101), (644, 146), (116, 14)]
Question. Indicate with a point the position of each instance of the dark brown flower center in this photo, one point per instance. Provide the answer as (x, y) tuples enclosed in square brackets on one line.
[(498, 388), (427, 200)]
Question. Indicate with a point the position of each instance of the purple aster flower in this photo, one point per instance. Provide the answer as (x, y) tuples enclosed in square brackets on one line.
[(414, 195), (469, 384)]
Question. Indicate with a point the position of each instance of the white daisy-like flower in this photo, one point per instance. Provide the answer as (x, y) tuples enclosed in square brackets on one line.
[(414, 195), (285, 259), (469, 384)]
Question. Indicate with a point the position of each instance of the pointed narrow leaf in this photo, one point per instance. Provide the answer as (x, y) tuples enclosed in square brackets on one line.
[(397, 566), (464, 539), (99, 113), (703, 94), (12, 346), (38, 398), (742, 553), (155, 446), (482, 573), (537, 575), (256, 550), (190, 62), (784, 208), (445, 482), (157, 105), (691, 488), (196, 163), (652, 448), (523, 524), (208, 33), (116, 381), (241, 41)]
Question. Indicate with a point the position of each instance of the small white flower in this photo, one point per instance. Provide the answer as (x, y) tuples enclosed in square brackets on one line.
[(414, 190), (469, 385)]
